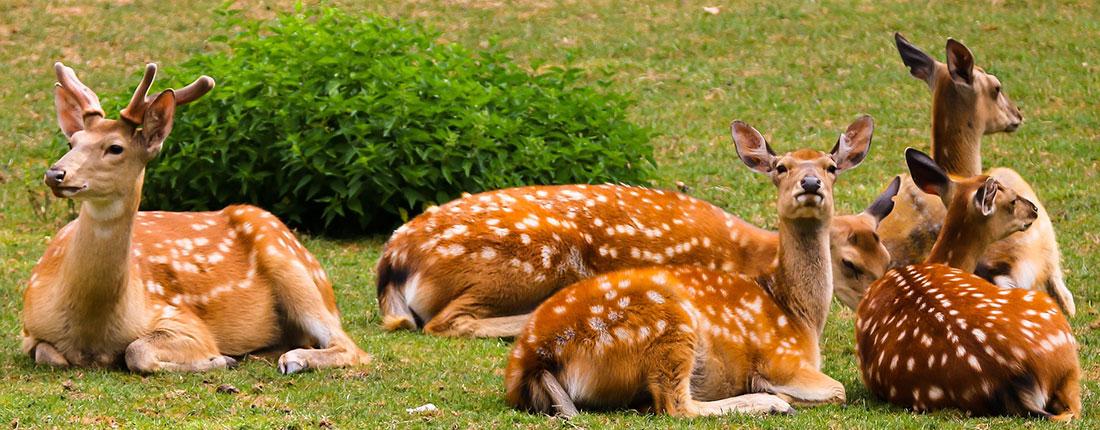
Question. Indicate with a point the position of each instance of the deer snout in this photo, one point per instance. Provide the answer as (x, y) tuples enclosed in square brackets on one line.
[(1014, 122), (810, 184), (54, 177)]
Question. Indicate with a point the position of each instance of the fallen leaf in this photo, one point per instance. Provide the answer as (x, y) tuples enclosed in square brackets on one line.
[(713, 10)]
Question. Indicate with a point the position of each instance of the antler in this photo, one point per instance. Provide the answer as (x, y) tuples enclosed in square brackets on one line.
[(135, 111), (84, 96)]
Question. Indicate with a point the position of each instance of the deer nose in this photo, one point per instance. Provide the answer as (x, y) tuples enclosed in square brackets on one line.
[(54, 176), (811, 184)]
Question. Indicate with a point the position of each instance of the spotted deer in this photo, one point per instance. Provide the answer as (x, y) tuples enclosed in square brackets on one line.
[(933, 335), (166, 291), (478, 265), (967, 103), (689, 341)]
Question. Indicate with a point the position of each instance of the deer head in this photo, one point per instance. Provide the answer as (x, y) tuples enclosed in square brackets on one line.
[(863, 258), (987, 208), (805, 177), (107, 158), (962, 85)]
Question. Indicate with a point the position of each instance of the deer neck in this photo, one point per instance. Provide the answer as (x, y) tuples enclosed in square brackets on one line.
[(96, 267), (956, 136), (803, 280), (959, 244)]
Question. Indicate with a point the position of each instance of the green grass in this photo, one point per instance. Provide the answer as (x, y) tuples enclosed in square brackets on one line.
[(797, 71)]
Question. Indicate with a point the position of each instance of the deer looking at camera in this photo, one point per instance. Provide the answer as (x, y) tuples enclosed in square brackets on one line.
[(478, 265), (933, 336), (967, 103), (166, 290), (689, 341)]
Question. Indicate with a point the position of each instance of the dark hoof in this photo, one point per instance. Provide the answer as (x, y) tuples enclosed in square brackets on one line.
[(230, 362), (290, 367)]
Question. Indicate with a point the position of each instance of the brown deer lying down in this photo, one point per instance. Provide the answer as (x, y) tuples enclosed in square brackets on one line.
[(166, 290), (932, 335), (477, 265), (967, 103), (690, 341)]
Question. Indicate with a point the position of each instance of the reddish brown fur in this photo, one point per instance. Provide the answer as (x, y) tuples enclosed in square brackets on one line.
[(163, 290), (931, 336), (961, 113), (689, 341), (627, 338), (606, 228)]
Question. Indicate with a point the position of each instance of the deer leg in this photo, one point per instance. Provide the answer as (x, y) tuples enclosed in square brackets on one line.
[(311, 308), (752, 403), (338, 350), (669, 383), (509, 326), (45, 353), (181, 344), (810, 387), (466, 317)]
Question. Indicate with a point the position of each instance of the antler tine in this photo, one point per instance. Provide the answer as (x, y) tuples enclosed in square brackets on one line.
[(196, 89), (84, 96), (135, 111)]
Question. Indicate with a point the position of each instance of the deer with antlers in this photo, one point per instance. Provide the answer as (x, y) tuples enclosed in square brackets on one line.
[(932, 335), (166, 291), (478, 265), (967, 103), (690, 341)]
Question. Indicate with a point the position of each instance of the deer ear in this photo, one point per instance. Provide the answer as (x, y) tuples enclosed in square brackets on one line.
[(157, 122), (986, 196), (928, 175), (921, 65), (70, 116), (752, 148), (960, 62), (884, 203), (852, 146)]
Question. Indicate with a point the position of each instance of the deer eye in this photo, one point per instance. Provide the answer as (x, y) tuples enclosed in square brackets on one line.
[(831, 170), (848, 265), (781, 169), (996, 91), (115, 149)]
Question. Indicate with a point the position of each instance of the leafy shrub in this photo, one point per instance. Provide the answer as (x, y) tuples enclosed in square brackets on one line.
[(348, 124)]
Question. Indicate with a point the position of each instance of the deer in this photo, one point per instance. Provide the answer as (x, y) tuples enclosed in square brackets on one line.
[(690, 341), (968, 103), (934, 335), (478, 265), (166, 291)]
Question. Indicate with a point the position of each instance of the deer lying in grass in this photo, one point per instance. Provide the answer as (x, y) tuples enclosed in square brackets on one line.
[(166, 290), (967, 103), (933, 335), (476, 266), (690, 341)]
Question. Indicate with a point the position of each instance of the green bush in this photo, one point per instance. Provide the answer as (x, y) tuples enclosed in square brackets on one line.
[(348, 124)]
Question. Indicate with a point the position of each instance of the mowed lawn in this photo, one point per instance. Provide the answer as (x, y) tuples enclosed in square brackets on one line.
[(797, 71)]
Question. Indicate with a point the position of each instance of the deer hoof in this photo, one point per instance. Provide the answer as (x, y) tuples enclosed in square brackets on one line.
[(230, 362), (290, 367)]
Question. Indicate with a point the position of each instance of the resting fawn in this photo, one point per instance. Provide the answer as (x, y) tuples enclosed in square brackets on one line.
[(691, 341), (476, 266), (967, 103), (933, 335), (166, 290)]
